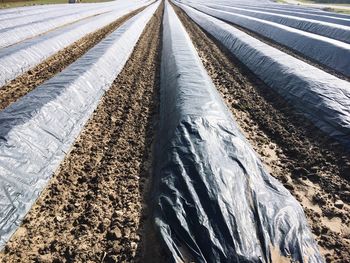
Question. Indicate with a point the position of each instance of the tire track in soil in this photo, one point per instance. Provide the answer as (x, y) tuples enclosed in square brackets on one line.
[(309, 164), (93, 209), (34, 77)]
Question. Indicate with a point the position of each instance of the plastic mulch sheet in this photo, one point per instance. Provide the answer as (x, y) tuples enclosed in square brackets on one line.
[(38, 129), (320, 96), (214, 201)]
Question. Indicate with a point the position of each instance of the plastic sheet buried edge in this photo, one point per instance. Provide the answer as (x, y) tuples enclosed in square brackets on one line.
[(293, 10), (9, 24), (278, 6), (37, 130), (329, 52), (15, 60), (25, 12), (28, 10), (307, 13), (334, 31), (26, 31), (214, 200), (303, 9), (321, 97), (15, 19)]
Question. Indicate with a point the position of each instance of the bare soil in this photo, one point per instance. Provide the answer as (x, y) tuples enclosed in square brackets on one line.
[(314, 168), (34, 77), (94, 208), (290, 51)]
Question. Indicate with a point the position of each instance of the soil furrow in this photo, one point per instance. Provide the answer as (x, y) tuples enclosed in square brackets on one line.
[(93, 209), (289, 51), (56, 63), (312, 166)]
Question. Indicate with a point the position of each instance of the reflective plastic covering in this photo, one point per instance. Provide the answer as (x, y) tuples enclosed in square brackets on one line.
[(326, 51), (11, 22), (305, 12), (14, 13), (23, 11), (334, 31), (321, 97), (38, 130), (297, 11), (25, 15), (17, 59), (19, 33), (214, 200)]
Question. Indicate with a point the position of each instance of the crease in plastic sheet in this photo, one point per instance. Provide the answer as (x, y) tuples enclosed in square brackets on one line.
[(321, 16), (321, 97), (22, 32), (37, 130), (25, 11), (50, 11), (302, 12), (214, 201), (11, 23), (306, 9), (329, 52), (19, 58), (334, 31)]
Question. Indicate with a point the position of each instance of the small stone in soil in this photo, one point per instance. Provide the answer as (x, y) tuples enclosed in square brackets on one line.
[(339, 204)]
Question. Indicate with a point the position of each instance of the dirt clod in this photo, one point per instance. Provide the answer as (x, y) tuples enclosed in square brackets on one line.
[(339, 204), (308, 163), (55, 64), (92, 209)]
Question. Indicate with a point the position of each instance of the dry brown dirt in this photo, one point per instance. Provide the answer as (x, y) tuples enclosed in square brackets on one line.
[(311, 166), (93, 209), (56, 63), (290, 51)]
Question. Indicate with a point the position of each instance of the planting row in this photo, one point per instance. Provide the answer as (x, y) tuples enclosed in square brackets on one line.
[(320, 96), (48, 15), (327, 29), (214, 200), (324, 50), (301, 12), (310, 165), (15, 34), (17, 59), (39, 129)]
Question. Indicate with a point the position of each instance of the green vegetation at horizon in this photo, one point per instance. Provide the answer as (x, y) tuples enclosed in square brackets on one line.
[(333, 2), (336, 10)]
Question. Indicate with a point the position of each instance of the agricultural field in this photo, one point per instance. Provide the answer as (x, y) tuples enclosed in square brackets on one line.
[(174, 131), (338, 6), (19, 3)]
